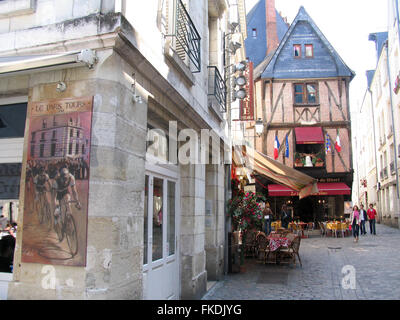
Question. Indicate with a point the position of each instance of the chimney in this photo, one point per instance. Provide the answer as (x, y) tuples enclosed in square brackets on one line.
[(272, 33)]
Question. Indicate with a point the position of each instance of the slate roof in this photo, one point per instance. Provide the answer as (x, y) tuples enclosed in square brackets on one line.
[(370, 75), (282, 65), (380, 39), (256, 19)]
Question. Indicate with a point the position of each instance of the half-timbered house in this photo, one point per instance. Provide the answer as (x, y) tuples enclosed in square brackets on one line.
[(302, 97)]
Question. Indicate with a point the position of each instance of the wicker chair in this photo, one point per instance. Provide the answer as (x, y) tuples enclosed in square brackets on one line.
[(250, 243), (283, 232), (292, 251), (262, 246)]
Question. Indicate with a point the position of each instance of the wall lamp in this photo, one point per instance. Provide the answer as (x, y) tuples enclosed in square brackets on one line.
[(259, 127)]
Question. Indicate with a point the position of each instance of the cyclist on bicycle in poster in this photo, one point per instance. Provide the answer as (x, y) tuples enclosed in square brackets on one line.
[(40, 181), (62, 184)]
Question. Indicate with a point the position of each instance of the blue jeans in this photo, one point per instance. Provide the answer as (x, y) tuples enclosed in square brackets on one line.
[(267, 226), (362, 227), (372, 226), (356, 229)]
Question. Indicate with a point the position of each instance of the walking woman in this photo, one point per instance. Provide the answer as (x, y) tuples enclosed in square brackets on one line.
[(267, 218), (355, 222)]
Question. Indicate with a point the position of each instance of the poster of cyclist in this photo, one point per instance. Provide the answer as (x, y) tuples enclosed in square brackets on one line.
[(57, 182)]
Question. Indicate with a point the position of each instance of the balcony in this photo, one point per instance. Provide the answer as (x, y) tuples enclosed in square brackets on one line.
[(187, 38), (390, 133), (392, 170), (216, 89)]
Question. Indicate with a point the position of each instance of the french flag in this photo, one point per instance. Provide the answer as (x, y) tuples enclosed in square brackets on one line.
[(338, 145), (276, 148)]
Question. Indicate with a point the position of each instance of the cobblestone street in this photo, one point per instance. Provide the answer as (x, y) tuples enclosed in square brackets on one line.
[(376, 260)]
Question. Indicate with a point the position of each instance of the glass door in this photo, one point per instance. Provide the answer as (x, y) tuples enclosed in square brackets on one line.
[(160, 261)]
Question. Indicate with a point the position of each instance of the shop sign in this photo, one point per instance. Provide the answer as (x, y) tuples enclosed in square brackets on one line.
[(330, 180), (250, 188), (57, 182), (247, 104)]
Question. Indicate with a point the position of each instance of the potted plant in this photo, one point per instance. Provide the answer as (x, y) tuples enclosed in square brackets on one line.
[(246, 214), (297, 160), (319, 162), (313, 160)]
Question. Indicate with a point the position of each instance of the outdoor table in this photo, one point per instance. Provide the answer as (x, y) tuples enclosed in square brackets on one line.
[(339, 226), (276, 224), (277, 242), (302, 225)]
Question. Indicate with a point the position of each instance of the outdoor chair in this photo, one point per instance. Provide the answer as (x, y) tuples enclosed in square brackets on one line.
[(339, 229), (262, 246), (283, 232), (310, 227), (250, 243), (292, 251), (296, 229), (323, 230), (347, 231)]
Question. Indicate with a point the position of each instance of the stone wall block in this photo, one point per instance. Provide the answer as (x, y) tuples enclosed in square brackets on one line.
[(110, 199)]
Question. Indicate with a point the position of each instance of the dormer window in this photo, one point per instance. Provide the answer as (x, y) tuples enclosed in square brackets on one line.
[(309, 51), (254, 33), (297, 50)]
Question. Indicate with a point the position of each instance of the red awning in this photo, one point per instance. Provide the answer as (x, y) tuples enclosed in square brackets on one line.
[(325, 189), (309, 135)]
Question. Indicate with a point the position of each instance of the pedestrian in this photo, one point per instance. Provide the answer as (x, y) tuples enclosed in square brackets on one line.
[(363, 219), (371, 217), (284, 216), (267, 218), (355, 222)]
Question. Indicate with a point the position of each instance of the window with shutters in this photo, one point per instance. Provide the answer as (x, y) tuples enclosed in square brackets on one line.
[(177, 25)]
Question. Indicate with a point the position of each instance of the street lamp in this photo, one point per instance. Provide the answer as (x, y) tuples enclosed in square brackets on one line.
[(259, 127)]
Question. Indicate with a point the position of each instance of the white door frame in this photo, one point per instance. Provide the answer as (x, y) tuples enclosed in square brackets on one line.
[(167, 173)]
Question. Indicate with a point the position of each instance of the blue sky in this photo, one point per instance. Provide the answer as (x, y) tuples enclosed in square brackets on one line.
[(346, 24)]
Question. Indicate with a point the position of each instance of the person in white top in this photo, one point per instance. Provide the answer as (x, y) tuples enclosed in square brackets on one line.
[(363, 219)]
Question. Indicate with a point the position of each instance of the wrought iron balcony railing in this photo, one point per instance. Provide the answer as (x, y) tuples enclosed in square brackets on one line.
[(216, 87), (187, 37), (385, 173)]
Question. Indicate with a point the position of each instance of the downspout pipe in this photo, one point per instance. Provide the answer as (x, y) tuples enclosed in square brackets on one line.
[(374, 131), (397, 17)]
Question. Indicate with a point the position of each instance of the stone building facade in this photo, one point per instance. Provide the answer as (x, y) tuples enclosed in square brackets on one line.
[(378, 150), (143, 75)]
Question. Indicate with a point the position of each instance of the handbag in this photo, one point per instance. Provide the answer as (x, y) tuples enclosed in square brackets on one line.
[(350, 227)]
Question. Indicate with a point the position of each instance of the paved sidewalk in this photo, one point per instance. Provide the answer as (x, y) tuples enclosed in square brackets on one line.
[(376, 261)]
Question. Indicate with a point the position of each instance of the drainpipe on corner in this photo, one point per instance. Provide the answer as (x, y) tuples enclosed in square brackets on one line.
[(374, 130)]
